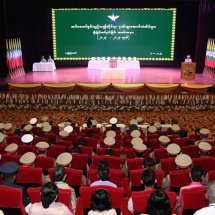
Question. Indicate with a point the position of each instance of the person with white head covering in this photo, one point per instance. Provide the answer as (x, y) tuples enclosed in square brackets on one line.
[(188, 59)]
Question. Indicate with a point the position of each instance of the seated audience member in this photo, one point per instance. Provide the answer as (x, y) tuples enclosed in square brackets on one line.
[(89, 133), (197, 131), (149, 163), (82, 142), (188, 59), (42, 148), (101, 203), (64, 159), (43, 60), (51, 142), (148, 179), (175, 129), (59, 178), (103, 175), (47, 206), (204, 133), (183, 161), (190, 143), (158, 203), (17, 132), (102, 163), (196, 176), (89, 122), (113, 122), (11, 149), (8, 172), (183, 133), (210, 196), (76, 149), (109, 152), (50, 60)]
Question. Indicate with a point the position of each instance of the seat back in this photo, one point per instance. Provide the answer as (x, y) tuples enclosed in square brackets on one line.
[(6, 158), (168, 165), (154, 143), (22, 149), (195, 137), (207, 163), (140, 200), (66, 143), (29, 176), (211, 175), (50, 136), (160, 153), (55, 150), (11, 198), (178, 179), (73, 137), (14, 139), (113, 162), (181, 141), (193, 199), (44, 162), (192, 151), (101, 151), (136, 163), (2, 149), (64, 196), (92, 142), (116, 195), (39, 139)]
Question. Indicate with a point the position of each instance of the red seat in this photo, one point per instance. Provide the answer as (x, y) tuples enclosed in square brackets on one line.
[(172, 137), (76, 129), (159, 154), (129, 152), (6, 158), (92, 142), (168, 165), (44, 162), (55, 150), (118, 144), (80, 161), (211, 175), (192, 151), (11, 200), (66, 143), (212, 152), (178, 179), (83, 202), (73, 137), (207, 163), (55, 129), (64, 196), (50, 136), (154, 143), (195, 137), (29, 176), (193, 199), (181, 141), (128, 143), (152, 136), (135, 163), (39, 139), (22, 149), (113, 162), (14, 139), (2, 149), (135, 178), (140, 200)]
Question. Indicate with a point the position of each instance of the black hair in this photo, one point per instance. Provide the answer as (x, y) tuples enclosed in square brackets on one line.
[(113, 127), (82, 142), (104, 173), (148, 177), (148, 162), (76, 149), (89, 133), (17, 132), (102, 163), (51, 123), (8, 177), (158, 203), (138, 154), (162, 122), (89, 123), (197, 173), (40, 134), (197, 131), (109, 152), (22, 126), (49, 191), (59, 173), (51, 141), (183, 133), (190, 143), (100, 200)]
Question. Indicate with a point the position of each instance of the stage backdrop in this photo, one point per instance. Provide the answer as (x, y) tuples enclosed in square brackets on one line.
[(148, 34)]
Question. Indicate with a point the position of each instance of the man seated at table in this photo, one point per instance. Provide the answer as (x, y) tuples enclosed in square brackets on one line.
[(43, 60), (50, 60)]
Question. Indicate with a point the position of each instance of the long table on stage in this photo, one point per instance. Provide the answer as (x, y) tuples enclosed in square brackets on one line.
[(126, 64), (44, 67)]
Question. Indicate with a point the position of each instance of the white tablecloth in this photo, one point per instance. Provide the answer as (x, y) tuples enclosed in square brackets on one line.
[(112, 73), (127, 64), (44, 67)]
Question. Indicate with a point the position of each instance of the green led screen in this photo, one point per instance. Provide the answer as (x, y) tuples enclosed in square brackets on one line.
[(147, 34)]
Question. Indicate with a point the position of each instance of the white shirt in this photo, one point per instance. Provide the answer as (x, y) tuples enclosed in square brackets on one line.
[(210, 210), (106, 183)]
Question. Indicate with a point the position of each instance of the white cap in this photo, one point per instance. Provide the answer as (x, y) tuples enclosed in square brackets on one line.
[(27, 138), (204, 146), (68, 128), (133, 122), (135, 133), (152, 129), (136, 140), (113, 120), (28, 158), (64, 159), (33, 121), (111, 134), (109, 141), (11, 148), (183, 161)]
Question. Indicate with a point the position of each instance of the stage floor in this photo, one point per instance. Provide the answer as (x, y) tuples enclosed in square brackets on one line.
[(150, 75)]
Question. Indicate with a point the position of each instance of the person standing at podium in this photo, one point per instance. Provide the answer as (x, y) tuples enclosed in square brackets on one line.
[(188, 59), (43, 60)]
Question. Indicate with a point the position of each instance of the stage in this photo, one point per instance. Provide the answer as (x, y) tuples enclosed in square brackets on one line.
[(150, 75)]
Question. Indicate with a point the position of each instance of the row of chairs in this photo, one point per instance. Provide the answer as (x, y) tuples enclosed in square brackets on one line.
[(11, 199)]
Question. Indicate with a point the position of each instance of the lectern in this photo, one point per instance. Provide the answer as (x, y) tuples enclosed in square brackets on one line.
[(188, 70)]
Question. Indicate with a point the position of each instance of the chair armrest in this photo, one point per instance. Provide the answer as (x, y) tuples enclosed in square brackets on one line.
[(124, 209), (79, 207), (125, 185)]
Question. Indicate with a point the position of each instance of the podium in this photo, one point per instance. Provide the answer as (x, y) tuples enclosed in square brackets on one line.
[(188, 70), (113, 63)]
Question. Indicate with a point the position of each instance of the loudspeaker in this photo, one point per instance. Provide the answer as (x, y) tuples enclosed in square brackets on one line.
[(211, 89), (4, 87)]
